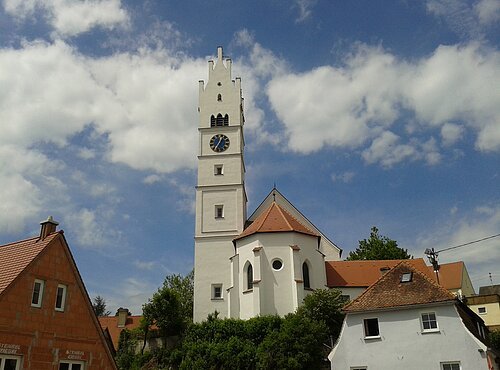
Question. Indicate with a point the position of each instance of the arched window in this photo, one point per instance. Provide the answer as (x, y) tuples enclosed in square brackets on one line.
[(226, 120), (212, 121), (305, 276), (220, 120), (219, 97), (249, 276)]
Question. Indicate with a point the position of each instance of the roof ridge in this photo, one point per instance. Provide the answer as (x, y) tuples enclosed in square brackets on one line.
[(19, 241)]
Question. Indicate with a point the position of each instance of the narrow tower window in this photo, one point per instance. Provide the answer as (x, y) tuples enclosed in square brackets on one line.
[(218, 170), (219, 211), (305, 276), (226, 120), (220, 120), (219, 97), (249, 276), (212, 121)]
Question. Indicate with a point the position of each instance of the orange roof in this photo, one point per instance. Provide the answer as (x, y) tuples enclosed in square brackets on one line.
[(15, 257), (450, 274), (275, 219), (364, 273), (389, 291), (111, 323)]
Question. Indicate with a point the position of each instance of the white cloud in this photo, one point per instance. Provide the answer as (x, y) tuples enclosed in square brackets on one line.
[(488, 11), (354, 104), (151, 179), (345, 177), (451, 133), (71, 17), (305, 11), (145, 265)]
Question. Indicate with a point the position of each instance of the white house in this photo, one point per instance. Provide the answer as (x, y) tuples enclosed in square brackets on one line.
[(406, 320)]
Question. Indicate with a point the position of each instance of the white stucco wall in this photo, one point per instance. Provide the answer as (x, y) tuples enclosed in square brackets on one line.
[(277, 292), (402, 345)]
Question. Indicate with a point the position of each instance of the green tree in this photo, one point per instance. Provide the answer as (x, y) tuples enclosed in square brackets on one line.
[(325, 305), (163, 310), (495, 339), (378, 247), (184, 287), (99, 306)]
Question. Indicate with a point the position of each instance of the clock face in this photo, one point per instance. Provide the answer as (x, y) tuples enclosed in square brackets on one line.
[(219, 143)]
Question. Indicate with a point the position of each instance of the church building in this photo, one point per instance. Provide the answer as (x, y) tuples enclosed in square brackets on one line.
[(245, 267)]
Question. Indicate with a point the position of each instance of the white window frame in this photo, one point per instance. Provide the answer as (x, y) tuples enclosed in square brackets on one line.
[(38, 304), (9, 357), (63, 298), (451, 363), (482, 313), (219, 211), (214, 296), (71, 363), (430, 330), (366, 336)]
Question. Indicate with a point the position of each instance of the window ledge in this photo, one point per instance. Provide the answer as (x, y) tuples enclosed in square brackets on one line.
[(248, 291), (219, 218), (217, 299), (373, 337), (430, 331), (310, 289)]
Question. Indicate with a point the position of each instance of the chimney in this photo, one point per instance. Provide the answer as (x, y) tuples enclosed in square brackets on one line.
[(122, 317), (48, 227)]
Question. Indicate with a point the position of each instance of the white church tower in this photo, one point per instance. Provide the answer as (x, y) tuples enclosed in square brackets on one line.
[(220, 193)]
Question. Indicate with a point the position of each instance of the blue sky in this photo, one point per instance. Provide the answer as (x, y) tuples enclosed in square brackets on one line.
[(362, 113)]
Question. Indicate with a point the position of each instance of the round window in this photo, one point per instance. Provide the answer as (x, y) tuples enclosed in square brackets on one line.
[(277, 264)]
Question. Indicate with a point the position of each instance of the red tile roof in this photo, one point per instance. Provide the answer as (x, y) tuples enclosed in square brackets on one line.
[(15, 257), (111, 323), (365, 273), (275, 219), (389, 291), (450, 274)]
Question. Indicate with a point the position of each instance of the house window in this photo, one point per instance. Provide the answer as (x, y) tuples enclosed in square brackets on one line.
[(61, 297), (429, 322), (305, 276), (36, 298), (249, 276), (216, 291), (218, 170), (71, 365), (10, 362), (371, 328), (481, 310), (450, 366), (219, 211)]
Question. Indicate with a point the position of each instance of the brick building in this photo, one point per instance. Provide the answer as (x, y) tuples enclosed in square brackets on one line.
[(46, 318)]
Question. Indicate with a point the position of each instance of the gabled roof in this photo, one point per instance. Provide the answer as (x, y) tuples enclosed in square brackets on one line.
[(389, 291), (15, 257), (365, 273), (450, 274), (275, 219)]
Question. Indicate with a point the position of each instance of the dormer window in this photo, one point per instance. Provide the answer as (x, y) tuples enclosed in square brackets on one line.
[(406, 277)]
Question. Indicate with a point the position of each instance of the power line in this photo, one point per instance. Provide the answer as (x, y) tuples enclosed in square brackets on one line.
[(468, 243)]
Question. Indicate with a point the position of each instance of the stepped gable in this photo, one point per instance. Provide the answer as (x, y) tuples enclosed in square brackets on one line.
[(15, 257), (275, 219), (389, 291)]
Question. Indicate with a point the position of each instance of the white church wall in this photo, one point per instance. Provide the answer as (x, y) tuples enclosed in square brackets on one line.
[(402, 343)]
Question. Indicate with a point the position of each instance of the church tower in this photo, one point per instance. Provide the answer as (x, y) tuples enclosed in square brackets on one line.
[(220, 193)]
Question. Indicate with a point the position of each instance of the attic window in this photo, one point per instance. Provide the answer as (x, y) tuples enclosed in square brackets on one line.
[(406, 277), (36, 298)]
